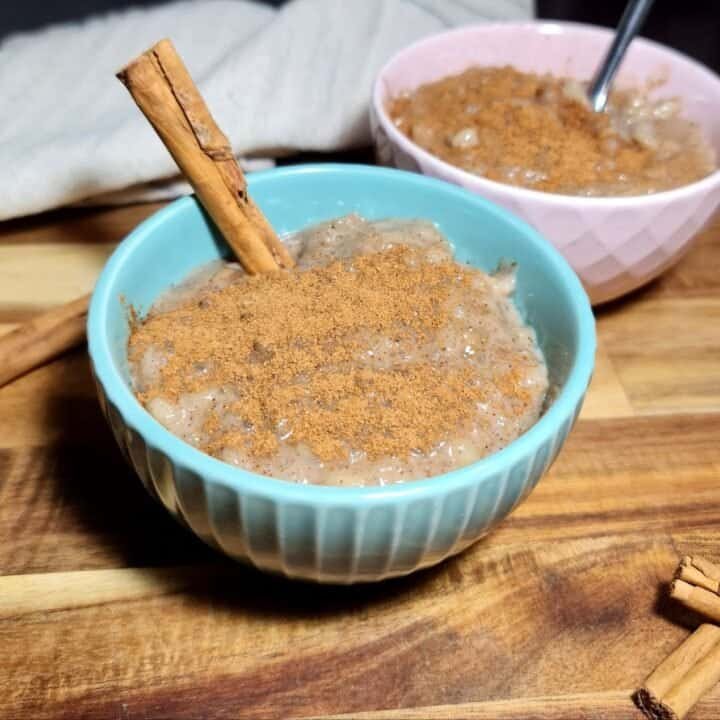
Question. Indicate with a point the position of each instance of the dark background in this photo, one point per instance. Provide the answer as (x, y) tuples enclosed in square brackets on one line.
[(692, 26)]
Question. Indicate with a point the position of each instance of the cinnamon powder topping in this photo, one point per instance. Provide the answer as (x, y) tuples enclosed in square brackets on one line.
[(538, 131), (296, 348)]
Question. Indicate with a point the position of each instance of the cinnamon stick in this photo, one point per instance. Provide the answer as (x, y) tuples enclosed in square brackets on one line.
[(42, 339), (683, 677), (693, 576), (164, 91), (696, 598), (704, 566), (701, 678), (699, 571)]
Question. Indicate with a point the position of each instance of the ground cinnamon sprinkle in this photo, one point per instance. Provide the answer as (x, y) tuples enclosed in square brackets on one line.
[(294, 348), (528, 129)]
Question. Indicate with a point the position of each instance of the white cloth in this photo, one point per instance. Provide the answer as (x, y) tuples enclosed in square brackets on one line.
[(295, 78)]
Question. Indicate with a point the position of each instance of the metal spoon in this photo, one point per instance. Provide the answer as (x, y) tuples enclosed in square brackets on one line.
[(632, 18)]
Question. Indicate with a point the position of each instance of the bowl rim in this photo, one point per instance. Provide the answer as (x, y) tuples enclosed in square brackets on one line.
[(135, 416), (477, 183)]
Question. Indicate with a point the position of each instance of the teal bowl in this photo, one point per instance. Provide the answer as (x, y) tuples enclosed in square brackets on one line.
[(338, 534)]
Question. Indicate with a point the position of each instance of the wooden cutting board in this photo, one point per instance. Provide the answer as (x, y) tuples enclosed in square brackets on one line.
[(109, 609)]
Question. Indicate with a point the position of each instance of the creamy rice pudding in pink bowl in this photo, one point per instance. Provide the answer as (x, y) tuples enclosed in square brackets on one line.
[(619, 229)]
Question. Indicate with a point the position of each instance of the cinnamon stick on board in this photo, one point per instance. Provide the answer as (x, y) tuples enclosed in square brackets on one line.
[(163, 89), (700, 572), (683, 677), (696, 598), (42, 338)]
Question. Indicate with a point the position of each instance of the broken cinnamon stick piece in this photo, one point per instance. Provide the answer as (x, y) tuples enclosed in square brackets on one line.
[(164, 91), (673, 688), (696, 598), (707, 568), (701, 678), (693, 576), (42, 338)]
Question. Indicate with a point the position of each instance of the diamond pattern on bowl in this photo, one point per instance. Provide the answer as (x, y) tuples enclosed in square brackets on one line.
[(675, 224), (615, 226), (585, 250), (566, 228), (651, 266), (637, 248), (602, 272)]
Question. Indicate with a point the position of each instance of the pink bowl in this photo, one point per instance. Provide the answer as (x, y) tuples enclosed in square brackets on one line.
[(614, 244)]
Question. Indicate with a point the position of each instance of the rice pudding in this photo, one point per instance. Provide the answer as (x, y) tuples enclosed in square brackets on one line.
[(539, 132), (378, 359)]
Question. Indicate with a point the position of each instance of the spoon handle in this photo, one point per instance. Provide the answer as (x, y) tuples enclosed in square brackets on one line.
[(632, 19)]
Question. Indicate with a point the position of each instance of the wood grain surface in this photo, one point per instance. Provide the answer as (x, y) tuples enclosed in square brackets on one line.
[(109, 609)]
